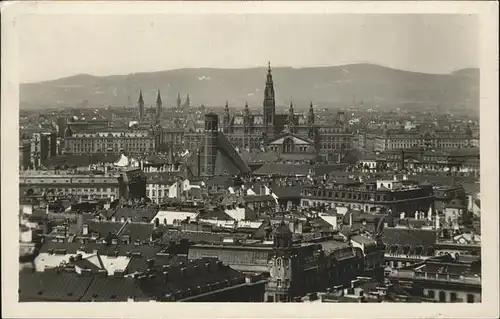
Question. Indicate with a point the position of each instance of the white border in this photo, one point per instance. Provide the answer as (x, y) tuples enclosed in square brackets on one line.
[(488, 13)]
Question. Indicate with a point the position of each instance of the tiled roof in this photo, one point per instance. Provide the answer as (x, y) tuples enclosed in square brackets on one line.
[(86, 264), (81, 160), (287, 191), (283, 169), (138, 214), (214, 214), (256, 156), (113, 289), (257, 198), (52, 286), (297, 156), (398, 239)]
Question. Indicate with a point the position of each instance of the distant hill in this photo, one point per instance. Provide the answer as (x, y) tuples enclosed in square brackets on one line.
[(325, 86)]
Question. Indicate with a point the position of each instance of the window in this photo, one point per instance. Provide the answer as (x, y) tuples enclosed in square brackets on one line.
[(431, 294), (453, 296), (470, 298), (442, 296)]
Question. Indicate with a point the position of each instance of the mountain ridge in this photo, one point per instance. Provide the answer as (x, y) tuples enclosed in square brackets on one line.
[(329, 85)]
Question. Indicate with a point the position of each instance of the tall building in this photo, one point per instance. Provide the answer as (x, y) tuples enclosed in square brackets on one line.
[(269, 105), (179, 102), (215, 155), (159, 106), (140, 105), (210, 144), (43, 147)]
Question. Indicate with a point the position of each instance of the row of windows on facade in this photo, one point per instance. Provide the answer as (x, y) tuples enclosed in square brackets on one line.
[(100, 145), (36, 181), (343, 195), (431, 294), (311, 203), (86, 190), (333, 146), (161, 193), (290, 148)]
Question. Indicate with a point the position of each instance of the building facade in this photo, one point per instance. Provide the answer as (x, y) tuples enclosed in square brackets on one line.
[(130, 184), (425, 139), (254, 131), (133, 141), (383, 195)]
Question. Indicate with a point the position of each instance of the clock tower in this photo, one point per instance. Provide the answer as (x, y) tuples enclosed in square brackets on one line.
[(282, 265)]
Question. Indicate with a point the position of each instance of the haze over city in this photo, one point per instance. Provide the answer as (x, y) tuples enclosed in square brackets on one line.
[(107, 45)]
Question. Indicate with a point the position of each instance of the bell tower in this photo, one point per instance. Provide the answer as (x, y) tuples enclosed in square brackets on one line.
[(269, 104), (291, 118), (159, 105), (310, 122), (226, 119)]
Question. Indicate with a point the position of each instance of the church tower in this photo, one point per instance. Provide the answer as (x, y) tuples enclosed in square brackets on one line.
[(140, 105), (310, 122), (179, 102), (282, 267), (159, 105), (227, 119), (269, 104), (291, 118)]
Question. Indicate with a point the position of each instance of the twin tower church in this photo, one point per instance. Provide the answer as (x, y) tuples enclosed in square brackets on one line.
[(159, 106)]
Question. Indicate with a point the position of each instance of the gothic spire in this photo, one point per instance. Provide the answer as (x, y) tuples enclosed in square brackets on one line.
[(158, 98), (179, 102), (269, 74), (141, 100)]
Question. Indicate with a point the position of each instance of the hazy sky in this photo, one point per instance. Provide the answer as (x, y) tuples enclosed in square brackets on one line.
[(54, 46)]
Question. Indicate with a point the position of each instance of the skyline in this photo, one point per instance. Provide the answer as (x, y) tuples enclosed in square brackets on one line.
[(118, 45)]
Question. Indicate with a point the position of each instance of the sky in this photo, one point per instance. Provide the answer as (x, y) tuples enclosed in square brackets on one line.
[(55, 46)]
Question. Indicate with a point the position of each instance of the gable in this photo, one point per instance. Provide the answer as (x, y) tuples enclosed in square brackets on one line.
[(295, 140)]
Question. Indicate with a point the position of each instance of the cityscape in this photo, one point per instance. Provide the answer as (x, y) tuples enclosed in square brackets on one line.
[(345, 183)]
